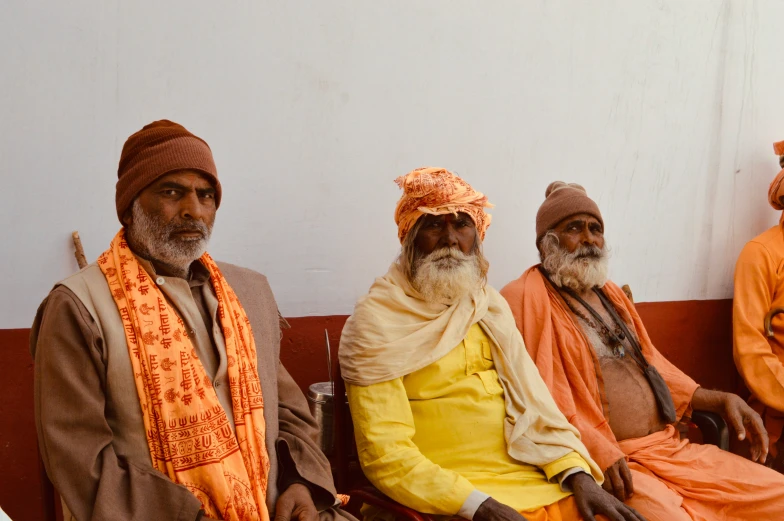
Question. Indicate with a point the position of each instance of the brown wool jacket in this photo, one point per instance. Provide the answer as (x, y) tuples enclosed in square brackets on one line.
[(87, 412)]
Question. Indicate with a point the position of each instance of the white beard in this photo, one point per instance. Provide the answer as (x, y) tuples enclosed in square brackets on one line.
[(155, 241), (445, 275), (580, 270)]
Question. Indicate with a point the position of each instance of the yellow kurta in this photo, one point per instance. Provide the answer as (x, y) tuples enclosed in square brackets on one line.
[(428, 439)]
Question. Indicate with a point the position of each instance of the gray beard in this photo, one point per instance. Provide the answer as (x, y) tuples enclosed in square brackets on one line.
[(580, 270), (155, 240), (445, 275)]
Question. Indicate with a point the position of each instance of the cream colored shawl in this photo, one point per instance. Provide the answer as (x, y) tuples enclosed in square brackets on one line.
[(393, 332)]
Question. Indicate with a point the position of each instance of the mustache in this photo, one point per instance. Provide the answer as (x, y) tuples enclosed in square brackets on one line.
[(448, 253), (587, 252), (187, 226)]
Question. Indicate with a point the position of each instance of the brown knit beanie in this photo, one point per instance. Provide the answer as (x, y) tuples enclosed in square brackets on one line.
[(158, 149), (563, 200)]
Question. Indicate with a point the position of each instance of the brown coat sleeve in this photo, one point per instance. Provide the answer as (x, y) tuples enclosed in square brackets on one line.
[(74, 438), (301, 459)]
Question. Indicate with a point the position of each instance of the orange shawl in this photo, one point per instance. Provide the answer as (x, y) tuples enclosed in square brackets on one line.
[(569, 366), (188, 432)]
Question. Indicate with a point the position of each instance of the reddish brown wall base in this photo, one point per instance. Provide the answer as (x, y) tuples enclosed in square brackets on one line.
[(694, 335), (303, 349), (20, 483)]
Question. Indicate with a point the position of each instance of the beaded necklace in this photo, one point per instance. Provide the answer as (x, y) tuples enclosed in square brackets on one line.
[(614, 339)]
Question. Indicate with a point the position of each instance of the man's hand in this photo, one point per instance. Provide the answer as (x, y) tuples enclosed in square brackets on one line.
[(618, 480), (747, 423), (295, 503), (592, 500), (741, 418), (492, 510)]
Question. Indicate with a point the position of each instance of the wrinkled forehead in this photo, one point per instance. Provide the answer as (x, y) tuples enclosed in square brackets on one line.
[(429, 218), (193, 179), (579, 218)]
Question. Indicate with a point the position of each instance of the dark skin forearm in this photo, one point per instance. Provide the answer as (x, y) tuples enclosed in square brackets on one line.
[(707, 400), (492, 510)]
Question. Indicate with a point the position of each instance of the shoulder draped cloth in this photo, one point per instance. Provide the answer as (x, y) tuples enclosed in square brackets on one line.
[(188, 432), (569, 365), (393, 332)]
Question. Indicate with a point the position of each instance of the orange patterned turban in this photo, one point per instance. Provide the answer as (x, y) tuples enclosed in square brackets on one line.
[(776, 190), (437, 191)]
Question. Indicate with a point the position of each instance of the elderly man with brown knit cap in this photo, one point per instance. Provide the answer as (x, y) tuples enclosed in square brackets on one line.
[(159, 394), (624, 397)]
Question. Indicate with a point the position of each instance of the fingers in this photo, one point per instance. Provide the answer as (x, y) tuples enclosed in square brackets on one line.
[(760, 443), (633, 515), (607, 485), (736, 420), (756, 450), (585, 512), (283, 510), (307, 513), (613, 514), (626, 476), (621, 512), (619, 491)]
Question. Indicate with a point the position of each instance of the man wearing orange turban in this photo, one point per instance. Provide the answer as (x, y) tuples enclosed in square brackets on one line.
[(758, 327), (450, 414), (436, 191)]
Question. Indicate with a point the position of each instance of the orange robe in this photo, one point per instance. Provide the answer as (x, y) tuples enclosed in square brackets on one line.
[(759, 288), (674, 480), (563, 510)]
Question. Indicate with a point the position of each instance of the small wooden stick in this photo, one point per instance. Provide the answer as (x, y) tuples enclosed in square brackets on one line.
[(626, 289), (81, 260)]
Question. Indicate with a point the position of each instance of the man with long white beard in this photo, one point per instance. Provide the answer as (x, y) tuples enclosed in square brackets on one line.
[(159, 394), (450, 414), (594, 354)]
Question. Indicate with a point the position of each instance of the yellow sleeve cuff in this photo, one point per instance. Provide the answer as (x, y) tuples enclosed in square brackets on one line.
[(571, 460)]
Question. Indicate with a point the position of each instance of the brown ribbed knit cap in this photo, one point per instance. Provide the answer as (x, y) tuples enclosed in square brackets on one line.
[(563, 200), (158, 149)]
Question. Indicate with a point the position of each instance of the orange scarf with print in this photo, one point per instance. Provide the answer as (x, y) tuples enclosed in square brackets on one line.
[(188, 432)]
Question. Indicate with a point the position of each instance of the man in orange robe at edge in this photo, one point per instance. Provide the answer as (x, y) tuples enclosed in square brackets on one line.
[(759, 291)]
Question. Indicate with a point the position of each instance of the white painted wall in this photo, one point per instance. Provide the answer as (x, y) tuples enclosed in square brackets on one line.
[(664, 109)]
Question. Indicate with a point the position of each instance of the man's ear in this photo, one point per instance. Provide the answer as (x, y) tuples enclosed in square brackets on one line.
[(127, 217), (539, 249)]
